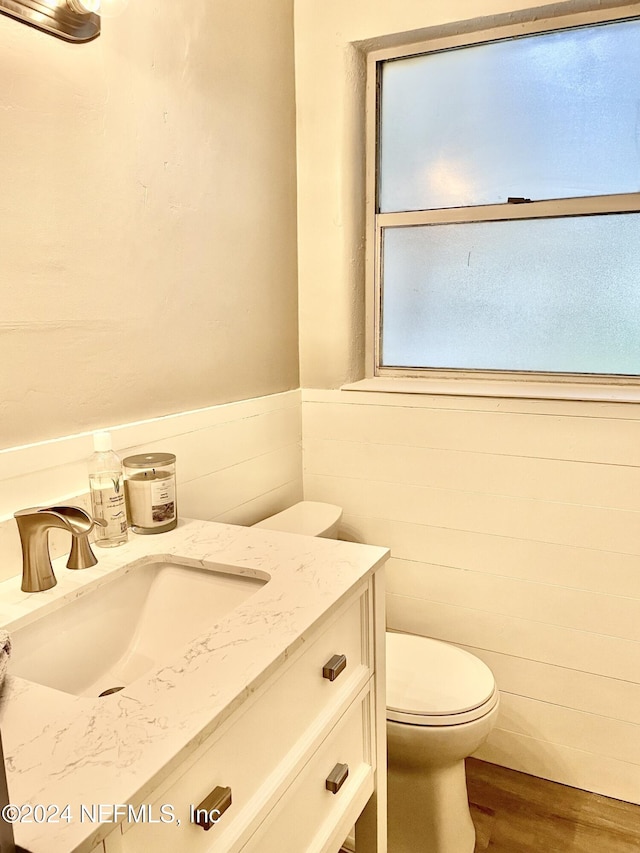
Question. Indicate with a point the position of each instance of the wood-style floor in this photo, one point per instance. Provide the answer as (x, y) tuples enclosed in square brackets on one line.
[(517, 813)]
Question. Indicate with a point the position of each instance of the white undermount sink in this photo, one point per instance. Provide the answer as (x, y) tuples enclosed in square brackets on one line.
[(134, 622)]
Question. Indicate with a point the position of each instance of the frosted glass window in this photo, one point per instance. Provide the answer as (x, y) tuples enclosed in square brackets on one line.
[(543, 117), (558, 294)]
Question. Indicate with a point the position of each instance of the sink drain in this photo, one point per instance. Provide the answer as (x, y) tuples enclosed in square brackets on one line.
[(110, 691)]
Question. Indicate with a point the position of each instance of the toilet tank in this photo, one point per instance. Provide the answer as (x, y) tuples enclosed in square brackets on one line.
[(311, 518)]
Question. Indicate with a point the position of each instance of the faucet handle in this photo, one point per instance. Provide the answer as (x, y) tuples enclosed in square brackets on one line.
[(76, 519)]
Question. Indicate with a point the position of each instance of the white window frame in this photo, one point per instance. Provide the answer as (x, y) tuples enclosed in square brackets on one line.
[(470, 381)]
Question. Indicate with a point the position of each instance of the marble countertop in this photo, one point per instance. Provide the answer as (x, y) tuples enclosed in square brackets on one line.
[(62, 749)]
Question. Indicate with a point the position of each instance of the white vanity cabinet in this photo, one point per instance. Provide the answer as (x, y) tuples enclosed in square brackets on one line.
[(244, 709), (277, 750)]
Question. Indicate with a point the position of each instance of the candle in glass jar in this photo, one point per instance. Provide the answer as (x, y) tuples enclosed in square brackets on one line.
[(150, 488)]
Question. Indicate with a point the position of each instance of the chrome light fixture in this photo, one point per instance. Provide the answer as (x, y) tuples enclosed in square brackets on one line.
[(72, 20)]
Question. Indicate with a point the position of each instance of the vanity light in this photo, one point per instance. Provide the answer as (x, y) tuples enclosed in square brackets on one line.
[(72, 20)]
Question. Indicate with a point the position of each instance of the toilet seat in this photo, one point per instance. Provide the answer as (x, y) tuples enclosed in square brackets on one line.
[(431, 683)]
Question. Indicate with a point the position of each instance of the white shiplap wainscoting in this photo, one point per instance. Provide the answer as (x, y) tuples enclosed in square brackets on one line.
[(514, 527), (236, 463)]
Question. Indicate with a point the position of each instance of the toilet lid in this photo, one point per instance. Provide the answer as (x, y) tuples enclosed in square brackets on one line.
[(427, 678), (312, 518)]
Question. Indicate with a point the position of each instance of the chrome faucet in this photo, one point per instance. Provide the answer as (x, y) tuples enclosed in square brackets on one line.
[(34, 524)]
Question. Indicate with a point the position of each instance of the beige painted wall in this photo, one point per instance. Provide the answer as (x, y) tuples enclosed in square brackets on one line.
[(147, 202)]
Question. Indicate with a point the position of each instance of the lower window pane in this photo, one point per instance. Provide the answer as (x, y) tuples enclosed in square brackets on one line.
[(549, 295)]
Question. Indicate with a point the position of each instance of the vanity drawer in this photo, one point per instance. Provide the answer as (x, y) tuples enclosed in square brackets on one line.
[(306, 817), (265, 743)]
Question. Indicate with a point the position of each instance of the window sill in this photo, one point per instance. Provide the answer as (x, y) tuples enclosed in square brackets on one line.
[(523, 389)]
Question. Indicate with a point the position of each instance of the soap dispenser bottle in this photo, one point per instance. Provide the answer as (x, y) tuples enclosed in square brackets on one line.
[(107, 493)]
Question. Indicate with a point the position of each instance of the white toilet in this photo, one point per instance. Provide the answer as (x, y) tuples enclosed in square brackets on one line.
[(442, 702)]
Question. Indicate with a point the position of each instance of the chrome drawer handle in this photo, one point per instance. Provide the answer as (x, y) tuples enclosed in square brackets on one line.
[(337, 777), (211, 809), (334, 667)]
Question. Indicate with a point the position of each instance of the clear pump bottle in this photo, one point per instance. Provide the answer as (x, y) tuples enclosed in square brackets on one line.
[(107, 493)]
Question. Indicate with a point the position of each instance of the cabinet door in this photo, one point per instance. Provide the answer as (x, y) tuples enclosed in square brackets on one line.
[(323, 802)]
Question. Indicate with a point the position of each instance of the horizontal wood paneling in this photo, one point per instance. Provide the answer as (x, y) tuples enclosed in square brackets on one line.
[(571, 688), (615, 486), (564, 726), (513, 527), (230, 443), (199, 451), (561, 523), (612, 441), (264, 505), (596, 653), (236, 462), (55, 453), (216, 493), (551, 605), (560, 763), (203, 441), (519, 405), (551, 563)]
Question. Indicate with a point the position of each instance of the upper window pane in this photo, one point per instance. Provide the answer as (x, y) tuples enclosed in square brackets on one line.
[(542, 117)]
